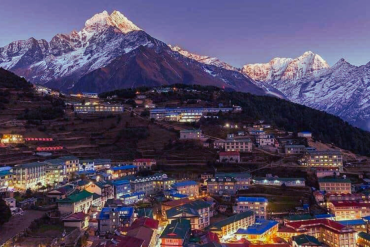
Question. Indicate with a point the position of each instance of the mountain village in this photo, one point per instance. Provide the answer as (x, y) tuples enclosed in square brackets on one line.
[(239, 183)]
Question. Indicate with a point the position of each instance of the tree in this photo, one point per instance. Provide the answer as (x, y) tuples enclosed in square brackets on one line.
[(5, 212)]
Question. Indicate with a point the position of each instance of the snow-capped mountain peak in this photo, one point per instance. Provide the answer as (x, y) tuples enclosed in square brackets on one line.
[(116, 19)]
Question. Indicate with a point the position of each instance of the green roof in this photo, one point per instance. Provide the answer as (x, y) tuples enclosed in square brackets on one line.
[(76, 197), (364, 235), (228, 221), (177, 229), (306, 239), (334, 180), (189, 208), (144, 212)]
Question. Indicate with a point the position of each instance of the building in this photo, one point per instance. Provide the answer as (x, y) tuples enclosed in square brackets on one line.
[(12, 139), (29, 175), (111, 218), (103, 189), (121, 187), (55, 173), (197, 212), (295, 149), (191, 135), (11, 202), (86, 165), (348, 210), (79, 202), (77, 220), (225, 228), (304, 240), (243, 179), (265, 140), (71, 163), (144, 164), (133, 197), (363, 239), (305, 134), (6, 179), (335, 185), (90, 95), (329, 159), (101, 164), (172, 204), (261, 231), (122, 171), (151, 184), (237, 144), (189, 188), (181, 114), (326, 231), (176, 234), (101, 108), (221, 185), (274, 181), (256, 204), (229, 157)]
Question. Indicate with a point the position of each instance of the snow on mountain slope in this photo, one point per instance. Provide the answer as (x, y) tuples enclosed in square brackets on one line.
[(203, 59), (342, 90)]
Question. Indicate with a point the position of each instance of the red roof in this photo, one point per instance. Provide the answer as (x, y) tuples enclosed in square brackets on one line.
[(147, 222), (330, 224), (75, 217), (229, 153), (127, 241)]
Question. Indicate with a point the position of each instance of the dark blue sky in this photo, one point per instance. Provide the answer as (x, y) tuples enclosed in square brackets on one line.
[(236, 31)]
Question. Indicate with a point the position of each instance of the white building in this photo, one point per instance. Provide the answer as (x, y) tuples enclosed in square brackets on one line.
[(256, 204), (305, 134)]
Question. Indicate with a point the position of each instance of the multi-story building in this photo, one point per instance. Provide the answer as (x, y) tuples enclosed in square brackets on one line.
[(304, 240), (198, 212), (86, 165), (238, 144), (329, 232), (348, 210), (330, 159), (103, 189), (111, 218), (122, 171), (29, 175), (121, 187), (191, 135), (70, 163), (363, 239), (102, 108), (274, 181), (143, 164), (230, 225), (184, 114), (256, 204), (101, 164), (221, 185), (335, 185), (295, 149), (176, 234), (151, 184), (265, 140), (12, 139), (6, 178), (55, 173), (79, 202), (262, 231), (189, 188), (243, 179)]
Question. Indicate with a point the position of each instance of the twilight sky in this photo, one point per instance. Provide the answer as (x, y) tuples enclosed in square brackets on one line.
[(236, 31)]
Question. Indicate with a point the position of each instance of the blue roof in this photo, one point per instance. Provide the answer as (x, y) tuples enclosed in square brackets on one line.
[(124, 211), (305, 132), (324, 216), (118, 168), (260, 227), (178, 195), (87, 172), (367, 218), (184, 183), (352, 222), (252, 199), (120, 182)]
